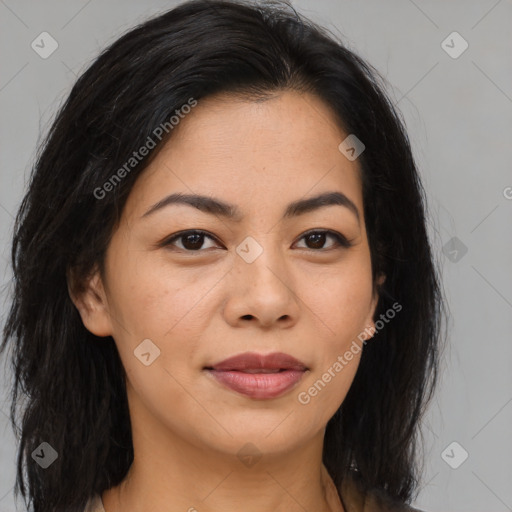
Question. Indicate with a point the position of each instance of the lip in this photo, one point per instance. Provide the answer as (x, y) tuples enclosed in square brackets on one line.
[(240, 373), (254, 361)]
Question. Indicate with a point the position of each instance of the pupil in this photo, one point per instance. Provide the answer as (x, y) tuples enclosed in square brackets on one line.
[(195, 240), (320, 237), (196, 237)]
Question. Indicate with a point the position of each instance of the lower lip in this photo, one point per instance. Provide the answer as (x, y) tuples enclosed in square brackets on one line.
[(259, 385)]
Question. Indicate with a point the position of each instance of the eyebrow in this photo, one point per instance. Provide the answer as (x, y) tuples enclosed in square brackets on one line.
[(214, 206)]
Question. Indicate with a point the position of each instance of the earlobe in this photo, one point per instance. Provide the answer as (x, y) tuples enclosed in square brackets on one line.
[(370, 324), (90, 299), (379, 281)]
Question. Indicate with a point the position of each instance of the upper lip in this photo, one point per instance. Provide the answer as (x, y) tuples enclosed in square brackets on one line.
[(254, 361)]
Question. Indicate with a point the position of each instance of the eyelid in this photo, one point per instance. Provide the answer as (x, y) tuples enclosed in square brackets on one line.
[(342, 241), (175, 236)]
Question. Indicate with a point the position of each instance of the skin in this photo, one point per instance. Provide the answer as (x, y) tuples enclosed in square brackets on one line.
[(301, 296)]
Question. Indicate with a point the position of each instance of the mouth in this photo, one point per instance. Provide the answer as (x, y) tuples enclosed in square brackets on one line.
[(259, 376), (251, 362)]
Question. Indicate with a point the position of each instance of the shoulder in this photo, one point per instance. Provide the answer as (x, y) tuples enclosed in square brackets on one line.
[(94, 504), (379, 501), (376, 500)]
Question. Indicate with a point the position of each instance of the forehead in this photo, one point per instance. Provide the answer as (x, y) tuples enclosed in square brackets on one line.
[(251, 153)]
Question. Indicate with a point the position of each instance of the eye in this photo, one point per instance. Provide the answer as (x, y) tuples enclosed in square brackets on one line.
[(317, 239), (191, 240)]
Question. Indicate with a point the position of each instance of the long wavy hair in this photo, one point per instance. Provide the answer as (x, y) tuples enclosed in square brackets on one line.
[(69, 385)]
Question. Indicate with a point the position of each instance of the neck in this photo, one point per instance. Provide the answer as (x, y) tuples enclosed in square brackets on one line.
[(171, 473)]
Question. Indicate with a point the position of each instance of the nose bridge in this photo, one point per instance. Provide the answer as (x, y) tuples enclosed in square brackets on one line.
[(260, 258), (262, 286)]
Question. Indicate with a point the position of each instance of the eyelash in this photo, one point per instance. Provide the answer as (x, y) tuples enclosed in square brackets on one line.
[(341, 241)]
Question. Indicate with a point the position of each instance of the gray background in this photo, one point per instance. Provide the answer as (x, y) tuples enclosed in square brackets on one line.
[(458, 112)]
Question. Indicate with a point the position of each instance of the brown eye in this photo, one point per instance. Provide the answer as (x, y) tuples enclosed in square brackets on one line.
[(190, 240), (316, 239), (193, 240)]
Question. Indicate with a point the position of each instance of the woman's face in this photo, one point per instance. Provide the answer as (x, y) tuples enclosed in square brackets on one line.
[(255, 282)]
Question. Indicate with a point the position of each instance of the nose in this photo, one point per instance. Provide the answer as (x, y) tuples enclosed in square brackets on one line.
[(262, 293)]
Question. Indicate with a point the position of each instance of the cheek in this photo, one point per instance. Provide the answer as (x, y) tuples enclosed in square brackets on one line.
[(171, 308), (341, 300), (341, 304), (324, 392), (156, 299)]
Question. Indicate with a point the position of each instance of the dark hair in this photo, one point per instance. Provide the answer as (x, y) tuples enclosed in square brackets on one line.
[(73, 380)]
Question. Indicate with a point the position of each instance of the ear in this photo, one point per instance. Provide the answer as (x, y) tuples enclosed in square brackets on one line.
[(90, 299), (370, 324)]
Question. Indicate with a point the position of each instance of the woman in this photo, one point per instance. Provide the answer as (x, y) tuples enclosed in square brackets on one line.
[(224, 294)]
